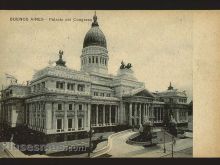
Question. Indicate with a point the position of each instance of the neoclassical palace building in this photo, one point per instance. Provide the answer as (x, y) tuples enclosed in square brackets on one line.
[(62, 103)]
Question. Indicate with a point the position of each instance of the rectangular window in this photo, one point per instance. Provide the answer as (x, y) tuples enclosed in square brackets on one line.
[(70, 86), (59, 106), (70, 123), (70, 107), (43, 85), (80, 107), (81, 87), (60, 85), (89, 60), (96, 93), (102, 94), (80, 123), (93, 60), (108, 95), (59, 123), (43, 124), (96, 59)]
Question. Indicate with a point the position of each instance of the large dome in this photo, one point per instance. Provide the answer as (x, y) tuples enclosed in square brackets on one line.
[(95, 37)]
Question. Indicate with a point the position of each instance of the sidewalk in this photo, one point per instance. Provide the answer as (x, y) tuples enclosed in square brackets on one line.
[(58, 146), (181, 145)]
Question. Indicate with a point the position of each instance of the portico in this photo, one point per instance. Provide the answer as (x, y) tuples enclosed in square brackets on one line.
[(138, 107), (103, 115)]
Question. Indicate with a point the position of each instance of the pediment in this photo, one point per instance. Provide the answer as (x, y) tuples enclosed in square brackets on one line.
[(144, 93), (140, 92)]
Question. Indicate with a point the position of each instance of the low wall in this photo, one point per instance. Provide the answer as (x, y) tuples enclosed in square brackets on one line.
[(107, 148)]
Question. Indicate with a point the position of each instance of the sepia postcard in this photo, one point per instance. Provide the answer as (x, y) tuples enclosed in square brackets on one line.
[(95, 84)]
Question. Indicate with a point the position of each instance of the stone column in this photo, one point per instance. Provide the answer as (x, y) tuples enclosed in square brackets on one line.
[(40, 125), (103, 114), (54, 116), (110, 114), (187, 115), (26, 108), (143, 112), (76, 117), (116, 114), (30, 115), (148, 111), (85, 115), (140, 114), (130, 114), (118, 117), (145, 109), (65, 117), (135, 114), (35, 112), (97, 115), (121, 112), (48, 111), (177, 115), (89, 115)]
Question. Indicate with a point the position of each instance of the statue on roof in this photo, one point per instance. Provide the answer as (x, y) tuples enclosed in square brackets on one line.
[(128, 66), (170, 87), (123, 66), (60, 62)]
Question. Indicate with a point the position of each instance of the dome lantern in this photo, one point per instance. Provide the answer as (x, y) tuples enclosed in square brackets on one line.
[(95, 23), (94, 56)]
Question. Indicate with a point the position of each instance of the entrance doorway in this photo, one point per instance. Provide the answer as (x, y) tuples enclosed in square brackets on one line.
[(80, 123)]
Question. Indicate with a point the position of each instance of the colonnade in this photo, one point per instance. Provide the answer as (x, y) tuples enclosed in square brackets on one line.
[(104, 115), (139, 113)]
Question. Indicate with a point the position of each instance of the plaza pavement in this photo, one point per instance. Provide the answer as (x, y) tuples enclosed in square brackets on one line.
[(121, 149)]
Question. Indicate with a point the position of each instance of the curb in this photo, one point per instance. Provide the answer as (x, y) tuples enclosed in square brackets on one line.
[(108, 147)]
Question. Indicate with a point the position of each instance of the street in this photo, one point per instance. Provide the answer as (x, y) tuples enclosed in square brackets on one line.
[(121, 149)]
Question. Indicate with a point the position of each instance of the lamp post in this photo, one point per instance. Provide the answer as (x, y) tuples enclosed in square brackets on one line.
[(90, 142), (172, 145), (164, 146)]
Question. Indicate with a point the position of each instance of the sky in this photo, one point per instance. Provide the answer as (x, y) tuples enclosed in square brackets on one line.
[(158, 44)]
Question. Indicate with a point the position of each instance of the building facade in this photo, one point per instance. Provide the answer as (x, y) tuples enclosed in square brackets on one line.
[(62, 103)]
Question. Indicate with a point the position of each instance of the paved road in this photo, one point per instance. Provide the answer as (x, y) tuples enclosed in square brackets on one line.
[(121, 149)]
